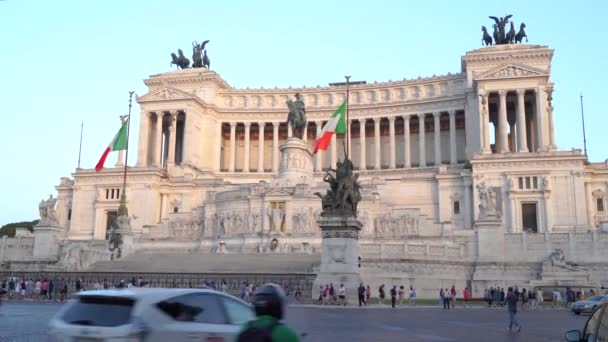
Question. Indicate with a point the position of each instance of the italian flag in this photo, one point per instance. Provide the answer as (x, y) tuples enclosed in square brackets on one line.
[(335, 125), (119, 142)]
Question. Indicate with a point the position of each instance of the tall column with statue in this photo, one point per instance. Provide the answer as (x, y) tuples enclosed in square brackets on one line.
[(340, 232)]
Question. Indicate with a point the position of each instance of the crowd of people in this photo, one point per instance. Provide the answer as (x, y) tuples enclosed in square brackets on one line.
[(531, 299)]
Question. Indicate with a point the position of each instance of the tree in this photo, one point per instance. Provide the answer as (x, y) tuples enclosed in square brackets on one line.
[(9, 228)]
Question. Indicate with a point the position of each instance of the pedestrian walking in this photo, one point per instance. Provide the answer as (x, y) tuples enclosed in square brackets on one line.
[(453, 296), (512, 299), (361, 293), (393, 296), (401, 294), (412, 296), (342, 295), (381, 294), (466, 296)]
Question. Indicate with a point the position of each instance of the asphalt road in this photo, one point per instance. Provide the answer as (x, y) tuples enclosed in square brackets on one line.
[(26, 321)]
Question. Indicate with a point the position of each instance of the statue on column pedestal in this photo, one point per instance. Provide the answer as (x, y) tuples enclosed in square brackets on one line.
[(344, 193), (297, 116)]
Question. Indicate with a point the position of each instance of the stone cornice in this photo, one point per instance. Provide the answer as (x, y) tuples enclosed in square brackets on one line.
[(531, 160), (498, 54)]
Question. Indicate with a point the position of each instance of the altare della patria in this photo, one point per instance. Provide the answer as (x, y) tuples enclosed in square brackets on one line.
[(451, 179)]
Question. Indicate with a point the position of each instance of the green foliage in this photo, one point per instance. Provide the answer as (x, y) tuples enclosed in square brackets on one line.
[(9, 229)]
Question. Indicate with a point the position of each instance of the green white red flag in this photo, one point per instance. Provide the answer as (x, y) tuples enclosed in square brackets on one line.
[(119, 142), (335, 125)]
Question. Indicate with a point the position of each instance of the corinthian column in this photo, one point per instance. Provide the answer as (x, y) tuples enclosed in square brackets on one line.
[(437, 137), (453, 157), (522, 143), (232, 147), (334, 151), (246, 156), (172, 136), (422, 142), (391, 135), (503, 125), (144, 133), (275, 146), (362, 157), (261, 146), (158, 140), (485, 124), (377, 150), (407, 160)]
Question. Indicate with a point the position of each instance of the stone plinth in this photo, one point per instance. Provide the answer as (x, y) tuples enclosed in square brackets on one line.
[(296, 163), (339, 255), (490, 239), (46, 241)]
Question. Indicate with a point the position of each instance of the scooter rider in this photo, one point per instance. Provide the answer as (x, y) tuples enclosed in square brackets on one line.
[(269, 303)]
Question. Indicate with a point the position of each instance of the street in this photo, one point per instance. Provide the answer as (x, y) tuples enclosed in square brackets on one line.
[(26, 322)]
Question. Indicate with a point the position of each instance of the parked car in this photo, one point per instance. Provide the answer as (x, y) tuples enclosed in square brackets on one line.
[(138, 314), (588, 305), (596, 327)]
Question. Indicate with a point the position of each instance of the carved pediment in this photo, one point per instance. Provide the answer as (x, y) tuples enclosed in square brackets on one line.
[(510, 71), (279, 192), (165, 94)]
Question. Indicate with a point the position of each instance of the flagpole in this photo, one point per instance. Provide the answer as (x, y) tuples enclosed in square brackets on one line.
[(124, 178), (80, 146), (347, 121), (583, 119)]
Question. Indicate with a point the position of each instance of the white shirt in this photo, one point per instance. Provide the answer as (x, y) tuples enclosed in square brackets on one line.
[(342, 291)]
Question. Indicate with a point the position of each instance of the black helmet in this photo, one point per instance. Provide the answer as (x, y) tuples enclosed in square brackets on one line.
[(269, 300)]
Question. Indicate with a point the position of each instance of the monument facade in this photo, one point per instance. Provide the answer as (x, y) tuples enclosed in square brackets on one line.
[(460, 178)]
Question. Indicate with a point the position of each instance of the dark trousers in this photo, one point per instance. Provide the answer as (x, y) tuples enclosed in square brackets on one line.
[(362, 300), (446, 303), (393, 300)]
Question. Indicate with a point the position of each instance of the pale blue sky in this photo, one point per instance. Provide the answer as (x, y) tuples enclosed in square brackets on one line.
[(64, 62)]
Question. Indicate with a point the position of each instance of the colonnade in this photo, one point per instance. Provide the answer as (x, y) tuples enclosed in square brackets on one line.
[(229, 163), (520, 130)]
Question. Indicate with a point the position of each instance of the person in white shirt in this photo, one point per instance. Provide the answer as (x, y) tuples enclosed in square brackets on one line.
[(342, 295), (412, 296)]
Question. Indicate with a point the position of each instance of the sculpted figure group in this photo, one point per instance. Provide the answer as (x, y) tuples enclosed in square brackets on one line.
[(199, 57), (47, 210), (500, 35), (344, 191)]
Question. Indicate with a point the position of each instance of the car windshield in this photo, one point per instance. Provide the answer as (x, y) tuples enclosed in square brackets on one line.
[(595, 298), (102, 311)]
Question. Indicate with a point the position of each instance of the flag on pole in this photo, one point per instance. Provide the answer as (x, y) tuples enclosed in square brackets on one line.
[(335, 125), (119, 142)]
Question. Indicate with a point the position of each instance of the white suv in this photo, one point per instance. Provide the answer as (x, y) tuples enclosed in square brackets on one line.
[(143, 314)]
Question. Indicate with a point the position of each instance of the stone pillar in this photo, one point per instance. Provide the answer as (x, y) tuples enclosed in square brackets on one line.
[(158, 141), (590, 205), (261, 146), (522, 141), (289, 131), (512, 138), (144, 136), (407, 159), (437, 137), (305, 133), (172, 140), (539, 120), (377, 150), (163, 206), (421, 143), (333, 148), (362, 155), (319, 161), (339, 255), (120, 160), (502, 122), (552, 145), (275, 146), (468, 201), (391, 134), (485, 124), (246, 154), (232, 147), (453, 156)]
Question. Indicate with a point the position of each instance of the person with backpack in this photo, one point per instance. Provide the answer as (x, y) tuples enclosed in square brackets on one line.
[(269, 303)]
